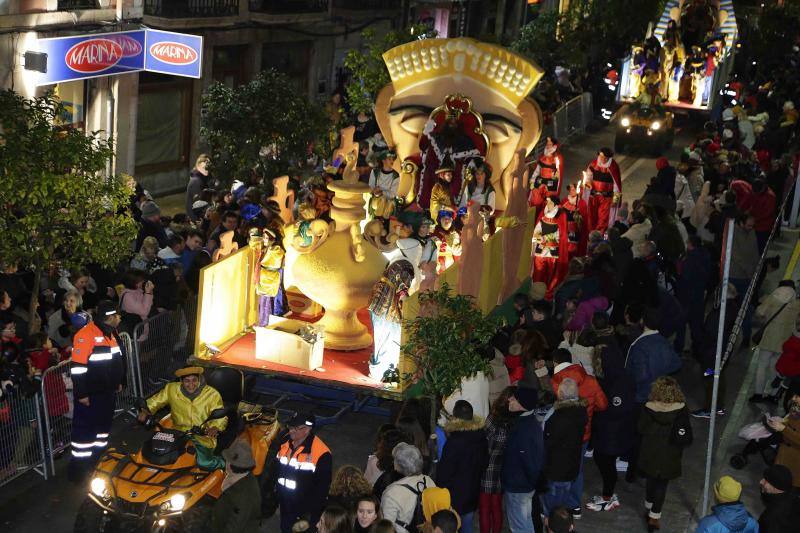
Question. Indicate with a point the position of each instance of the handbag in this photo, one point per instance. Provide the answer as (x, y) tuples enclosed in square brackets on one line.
[(760, 333)]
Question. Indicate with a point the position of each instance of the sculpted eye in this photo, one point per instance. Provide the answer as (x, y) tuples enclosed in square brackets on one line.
[(499, 132), (412, 120)]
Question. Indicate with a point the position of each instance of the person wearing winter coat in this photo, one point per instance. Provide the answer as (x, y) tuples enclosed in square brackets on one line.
[(613, 429), (729, 515), (650, 356), (781, 504), (665, 429), (763, 207), (490, 501), (463, 461), (781, 309), (789, 448), (198, 180), (588, 390), (399, 500), (788, 364), (707, 351), (638, 232), (586, 309), (563, 446), (693, 274), (522, 461), (744, 259)]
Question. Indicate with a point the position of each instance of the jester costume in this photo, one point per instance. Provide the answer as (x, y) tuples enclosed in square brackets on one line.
[(604, 195), (546, 177), (577, 219), (550, 248)]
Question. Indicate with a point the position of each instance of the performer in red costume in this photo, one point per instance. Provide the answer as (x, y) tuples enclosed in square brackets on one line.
[(577, 222), (546, 175), (604, 181), (550, 247)]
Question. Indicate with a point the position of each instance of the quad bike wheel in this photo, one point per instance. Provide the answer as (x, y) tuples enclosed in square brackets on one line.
[(92, 519), (197, 519)]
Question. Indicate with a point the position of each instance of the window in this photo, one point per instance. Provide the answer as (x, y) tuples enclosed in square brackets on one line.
[(163, 123), (229, 66), (292, 59), (73, 96)]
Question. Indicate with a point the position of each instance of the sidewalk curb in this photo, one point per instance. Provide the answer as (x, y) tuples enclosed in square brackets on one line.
[(734, 422)]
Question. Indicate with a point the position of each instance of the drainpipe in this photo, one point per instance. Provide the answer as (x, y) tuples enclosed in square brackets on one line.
[(110, 105)]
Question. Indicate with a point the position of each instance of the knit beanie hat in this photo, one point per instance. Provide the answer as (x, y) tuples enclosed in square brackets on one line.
[(662, 163), (527, 397), (434, 499), (150, 209), (727, 490), (779, 476)]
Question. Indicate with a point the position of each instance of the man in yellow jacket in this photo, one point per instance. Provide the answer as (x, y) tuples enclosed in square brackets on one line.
[(190, 402)]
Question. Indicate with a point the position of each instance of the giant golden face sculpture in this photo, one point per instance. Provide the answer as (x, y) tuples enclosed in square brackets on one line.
[(497, 82)]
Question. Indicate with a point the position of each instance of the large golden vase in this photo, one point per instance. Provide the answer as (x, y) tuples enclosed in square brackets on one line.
[(341, 272)]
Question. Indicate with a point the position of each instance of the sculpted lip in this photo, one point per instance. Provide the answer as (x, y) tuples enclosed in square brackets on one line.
[(173, 53), (94, 55)]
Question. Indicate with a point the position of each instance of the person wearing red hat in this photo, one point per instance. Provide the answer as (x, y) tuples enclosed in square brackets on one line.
[(604, 180), (550, 247), (546, 174)]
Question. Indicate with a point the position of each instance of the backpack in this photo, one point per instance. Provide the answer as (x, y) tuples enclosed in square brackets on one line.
[(418, 518), (681, 433)]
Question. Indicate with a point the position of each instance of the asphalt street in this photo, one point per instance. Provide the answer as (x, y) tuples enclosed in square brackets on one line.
[(31, 504)]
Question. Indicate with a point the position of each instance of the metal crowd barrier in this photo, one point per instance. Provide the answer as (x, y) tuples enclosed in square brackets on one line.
[(570, 119), (22, 445), (161, 345)]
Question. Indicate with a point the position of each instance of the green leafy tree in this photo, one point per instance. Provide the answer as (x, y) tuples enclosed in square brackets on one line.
[(264, 126), (444, 343), (59, 209), (366, 67), (588, 34)]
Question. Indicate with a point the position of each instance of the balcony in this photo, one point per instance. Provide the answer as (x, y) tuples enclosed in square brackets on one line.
[(287, 7), (185, 9)]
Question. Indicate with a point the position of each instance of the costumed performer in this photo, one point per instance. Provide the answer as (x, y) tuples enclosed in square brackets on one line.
[(604, 181), (545, 178), (415, 245), (478, 188), (447, 241), (441, 194), (268, 277), (550, 247), (383, 182), (577, 219)]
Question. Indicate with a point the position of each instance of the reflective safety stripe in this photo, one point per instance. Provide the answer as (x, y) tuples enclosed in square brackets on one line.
[(76, 453), (101, 357), (82, 444), (102, 435), (99, 339), (101, 443), (115, 349), (284, 460), (288, 483), (77, 370), (300, 465)]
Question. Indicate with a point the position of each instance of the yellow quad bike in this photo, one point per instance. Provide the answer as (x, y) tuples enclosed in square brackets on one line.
[(160, 488), (646, 126)]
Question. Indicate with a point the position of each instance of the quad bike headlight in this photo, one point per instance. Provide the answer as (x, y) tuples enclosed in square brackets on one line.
[(625, 122), (655, 126), (98, 487), (177, 502)]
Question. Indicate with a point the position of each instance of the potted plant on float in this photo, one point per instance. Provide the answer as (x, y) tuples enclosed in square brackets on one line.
[(443, 344)]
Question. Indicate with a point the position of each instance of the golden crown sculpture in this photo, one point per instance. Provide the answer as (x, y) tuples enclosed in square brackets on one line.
[(504, 71)]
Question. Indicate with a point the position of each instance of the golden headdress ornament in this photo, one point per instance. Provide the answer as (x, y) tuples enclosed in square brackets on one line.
[(506, 72)]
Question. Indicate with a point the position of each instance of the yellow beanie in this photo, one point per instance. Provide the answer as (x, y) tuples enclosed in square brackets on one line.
[(727, 490), (434, 499)]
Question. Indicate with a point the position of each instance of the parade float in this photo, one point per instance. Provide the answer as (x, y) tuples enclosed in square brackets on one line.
[(450, 103), (686, 57)]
